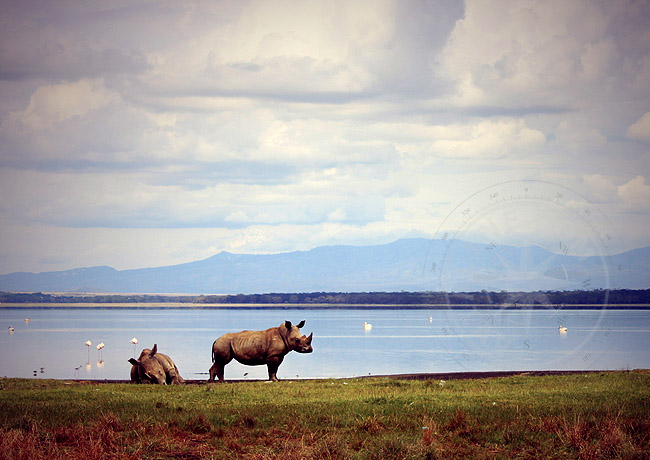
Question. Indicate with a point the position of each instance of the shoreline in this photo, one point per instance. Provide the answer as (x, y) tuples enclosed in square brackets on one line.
[(315, 306), (467, 375)]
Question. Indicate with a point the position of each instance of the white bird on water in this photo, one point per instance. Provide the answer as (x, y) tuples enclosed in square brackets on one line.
[(562, 329), (88, 343), (134, 341), (11, 329), (99, 350), (367, 326)]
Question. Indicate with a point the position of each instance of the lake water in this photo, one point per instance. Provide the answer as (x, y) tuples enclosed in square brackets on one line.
[(51, 344)]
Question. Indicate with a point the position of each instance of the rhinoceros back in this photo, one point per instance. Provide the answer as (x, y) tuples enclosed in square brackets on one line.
[(249, 347), (252, 347)]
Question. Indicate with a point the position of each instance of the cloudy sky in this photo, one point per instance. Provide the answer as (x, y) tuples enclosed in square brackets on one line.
[(148, 133)]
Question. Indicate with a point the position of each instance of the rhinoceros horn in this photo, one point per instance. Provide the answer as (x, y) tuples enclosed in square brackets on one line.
[(309, 338)]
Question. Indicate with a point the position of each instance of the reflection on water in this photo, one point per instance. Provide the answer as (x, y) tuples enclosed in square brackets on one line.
[(96, 344)]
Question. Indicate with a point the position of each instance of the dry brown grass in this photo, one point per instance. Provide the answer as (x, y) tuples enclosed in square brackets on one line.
[(525, 418), (457, 437), (612, 436)]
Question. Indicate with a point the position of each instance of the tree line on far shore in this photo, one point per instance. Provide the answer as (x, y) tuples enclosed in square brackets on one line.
[(502, 299)]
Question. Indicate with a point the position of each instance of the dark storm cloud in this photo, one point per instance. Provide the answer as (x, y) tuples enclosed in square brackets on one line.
[(46, 40)]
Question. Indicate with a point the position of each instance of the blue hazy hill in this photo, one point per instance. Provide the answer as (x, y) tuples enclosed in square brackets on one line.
[(404, 265)]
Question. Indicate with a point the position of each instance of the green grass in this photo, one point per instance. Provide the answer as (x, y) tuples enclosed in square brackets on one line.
[(589, 416)]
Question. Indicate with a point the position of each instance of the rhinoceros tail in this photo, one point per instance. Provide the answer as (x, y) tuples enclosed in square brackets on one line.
[(212, 352)]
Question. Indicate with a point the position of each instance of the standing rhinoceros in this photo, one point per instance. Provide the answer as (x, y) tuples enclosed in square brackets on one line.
[(154, 367), (256, 348)]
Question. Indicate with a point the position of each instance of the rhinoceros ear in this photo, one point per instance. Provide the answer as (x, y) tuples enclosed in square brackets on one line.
[(154, 350), (133, 361), (301, 324), (287, 324)]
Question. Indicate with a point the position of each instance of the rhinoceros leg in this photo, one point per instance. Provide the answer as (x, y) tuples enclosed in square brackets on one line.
[(216, 369), (221, 355), (272, 364), (220, 361), (135, 378)]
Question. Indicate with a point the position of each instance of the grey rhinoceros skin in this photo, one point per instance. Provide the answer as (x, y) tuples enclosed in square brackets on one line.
[(256, 348), (154, 367)]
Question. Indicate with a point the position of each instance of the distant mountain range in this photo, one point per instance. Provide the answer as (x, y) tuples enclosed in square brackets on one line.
[(404, 265)]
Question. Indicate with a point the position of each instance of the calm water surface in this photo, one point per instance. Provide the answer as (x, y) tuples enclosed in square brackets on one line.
[(400, 341)]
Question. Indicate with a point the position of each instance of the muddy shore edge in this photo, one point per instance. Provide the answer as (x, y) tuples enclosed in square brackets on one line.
[(415, 376)]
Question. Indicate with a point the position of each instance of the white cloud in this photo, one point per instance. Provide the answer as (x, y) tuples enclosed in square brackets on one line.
[(266, 126), (278, 49), (597, 58), (635, 193), (54, 104), (640, 129), (578, 136), (487, 139), (601, 189), (133, 200), (537, 53), (641, 70)]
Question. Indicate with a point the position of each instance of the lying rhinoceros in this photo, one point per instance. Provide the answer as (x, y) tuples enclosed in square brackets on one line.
[(154, 367), (256, 348)]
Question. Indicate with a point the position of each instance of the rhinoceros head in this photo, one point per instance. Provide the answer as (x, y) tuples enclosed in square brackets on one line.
[(148, 367), (297, 340)]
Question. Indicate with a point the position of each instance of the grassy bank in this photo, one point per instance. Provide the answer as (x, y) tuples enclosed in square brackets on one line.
[(591, 416)]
